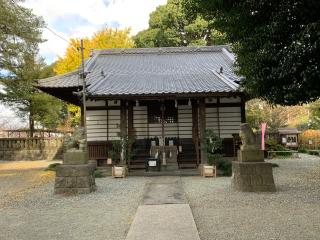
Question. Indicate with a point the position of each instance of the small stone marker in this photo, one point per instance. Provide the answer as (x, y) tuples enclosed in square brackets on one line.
[(75, 175), (250, 173)]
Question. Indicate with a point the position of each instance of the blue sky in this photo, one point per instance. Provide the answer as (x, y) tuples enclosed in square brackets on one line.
[(81, 18)]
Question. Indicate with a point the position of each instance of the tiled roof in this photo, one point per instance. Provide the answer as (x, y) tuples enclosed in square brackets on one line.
[(288, 130), (153, 71), (70, 79)]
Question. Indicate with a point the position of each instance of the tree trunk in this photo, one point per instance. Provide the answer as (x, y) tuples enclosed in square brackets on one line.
[(31, 125)]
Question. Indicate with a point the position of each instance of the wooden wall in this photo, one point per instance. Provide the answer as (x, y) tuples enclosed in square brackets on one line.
[(183, 128), (140, 121), (103, 120), (224, 116), (102, 124), (185, 121)]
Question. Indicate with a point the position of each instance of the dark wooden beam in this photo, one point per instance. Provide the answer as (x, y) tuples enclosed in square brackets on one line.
[(243, 110), (168, 96), (218, 116), (130, 119), (103, 108), (202, 130), (82, 116), (123, 122), (219, 104), (123, 118), (65, 94), (195, 128)]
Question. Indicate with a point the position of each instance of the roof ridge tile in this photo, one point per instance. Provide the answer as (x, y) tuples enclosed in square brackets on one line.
[(120, 51)]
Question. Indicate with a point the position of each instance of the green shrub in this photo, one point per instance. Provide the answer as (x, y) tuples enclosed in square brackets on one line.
[(302, 149), (313, 153), (272, 145), (52, 167), (98, 174), (213, 147), (213, 158), (225, 166)]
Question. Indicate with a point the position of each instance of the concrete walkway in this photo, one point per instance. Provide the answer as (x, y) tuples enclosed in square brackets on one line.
[(164, 214), (164, 190)]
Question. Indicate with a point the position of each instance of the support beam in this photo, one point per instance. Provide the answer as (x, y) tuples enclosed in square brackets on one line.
[(243, 110), (202, 130), (218, 116), (162, 133), (130, 119), (123, 123), (123, 118), (195, 129), (131, 133), (82, 116)]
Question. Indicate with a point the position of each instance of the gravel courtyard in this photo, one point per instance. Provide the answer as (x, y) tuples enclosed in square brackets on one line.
[(293, 212), (38, 214), (29, 210)]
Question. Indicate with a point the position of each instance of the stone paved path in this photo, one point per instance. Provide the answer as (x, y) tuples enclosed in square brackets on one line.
[(164, 190), (164, 214)]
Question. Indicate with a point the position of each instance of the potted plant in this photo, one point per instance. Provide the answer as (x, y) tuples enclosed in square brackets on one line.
[(213, 148), (121, 153)]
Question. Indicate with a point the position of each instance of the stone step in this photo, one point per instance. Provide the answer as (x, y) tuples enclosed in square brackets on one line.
[(105, 171), (170, 167)]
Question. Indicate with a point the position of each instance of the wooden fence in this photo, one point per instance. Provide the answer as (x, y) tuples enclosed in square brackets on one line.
[(30, 148)]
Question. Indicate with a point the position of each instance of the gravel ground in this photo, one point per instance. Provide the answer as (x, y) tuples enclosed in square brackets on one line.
[(29, 210), (293, 212), (18, 178), (38, 214)]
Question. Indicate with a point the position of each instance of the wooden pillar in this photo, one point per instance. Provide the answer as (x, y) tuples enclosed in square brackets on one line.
[(82, 116), (202, 130), (218, 116), (130, 119), (123, 125), (130, 128), (243, 110), (164, 162), (195, 129), (123, 118)]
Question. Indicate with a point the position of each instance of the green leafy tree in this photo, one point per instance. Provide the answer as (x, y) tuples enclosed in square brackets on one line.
[(261, 112), (277, 44), (20, 32), (314, 121), (170, 26), (258, 111), (28, 102)]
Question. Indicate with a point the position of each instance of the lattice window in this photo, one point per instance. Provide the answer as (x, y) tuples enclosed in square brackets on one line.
[(155, 112)]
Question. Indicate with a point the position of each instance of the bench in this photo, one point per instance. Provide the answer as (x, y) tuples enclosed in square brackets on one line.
[(273, 153)]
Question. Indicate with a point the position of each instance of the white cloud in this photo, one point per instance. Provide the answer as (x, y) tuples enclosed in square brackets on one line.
[(8, 118), (94, 15), (88, 16), (54, 45)]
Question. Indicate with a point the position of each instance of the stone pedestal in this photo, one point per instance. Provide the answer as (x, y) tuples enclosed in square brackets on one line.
[(250, 173), (75, 175), (252, 177), (75, 158), (250, 155)]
